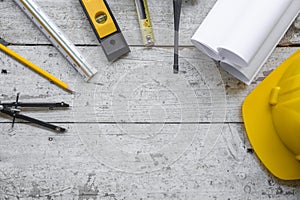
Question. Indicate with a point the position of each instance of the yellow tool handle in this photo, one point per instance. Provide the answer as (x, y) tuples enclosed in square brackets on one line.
[(145, 22), (100, 17), (35, 67)]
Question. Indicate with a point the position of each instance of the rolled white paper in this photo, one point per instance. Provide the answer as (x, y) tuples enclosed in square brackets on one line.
[(252, 29), (241, 34), (217, 25)]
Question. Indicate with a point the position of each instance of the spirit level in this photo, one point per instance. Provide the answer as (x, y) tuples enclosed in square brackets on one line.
[(56, 37), (106, 28), (145, 22)]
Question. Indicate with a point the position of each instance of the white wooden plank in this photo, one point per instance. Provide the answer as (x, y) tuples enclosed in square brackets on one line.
[(69, 16), (144, 79), (137, 85), (136, 131), (32, 166)]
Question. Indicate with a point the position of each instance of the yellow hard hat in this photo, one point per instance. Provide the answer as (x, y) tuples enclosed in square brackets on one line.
[(271, 115)]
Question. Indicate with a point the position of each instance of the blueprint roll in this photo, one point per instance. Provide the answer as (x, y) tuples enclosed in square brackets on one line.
[(217, 25), (241, 34), (252, 29)]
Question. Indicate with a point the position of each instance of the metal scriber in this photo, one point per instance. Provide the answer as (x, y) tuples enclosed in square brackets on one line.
[(177, 10), (13, 109)]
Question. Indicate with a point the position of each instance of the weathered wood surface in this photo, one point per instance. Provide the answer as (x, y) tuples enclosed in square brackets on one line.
[(69, 16), (136, 131)]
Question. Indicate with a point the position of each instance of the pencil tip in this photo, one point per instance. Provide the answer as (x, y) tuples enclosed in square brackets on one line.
[(70, 90)]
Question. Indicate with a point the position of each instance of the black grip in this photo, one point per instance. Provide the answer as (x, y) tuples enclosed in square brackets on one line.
[(41, 123), (32, 120), (177, 11), (37, 105)]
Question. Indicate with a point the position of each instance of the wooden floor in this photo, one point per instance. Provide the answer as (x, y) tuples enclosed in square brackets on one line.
[(136, 131)]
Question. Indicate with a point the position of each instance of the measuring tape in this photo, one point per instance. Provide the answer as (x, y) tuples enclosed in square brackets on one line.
[(57, 38), (145, 22)]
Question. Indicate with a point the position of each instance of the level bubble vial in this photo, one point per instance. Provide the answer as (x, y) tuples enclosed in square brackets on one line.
[(101, 18)]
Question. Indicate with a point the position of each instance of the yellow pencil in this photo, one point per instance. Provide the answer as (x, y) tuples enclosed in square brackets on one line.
[(35, 68)]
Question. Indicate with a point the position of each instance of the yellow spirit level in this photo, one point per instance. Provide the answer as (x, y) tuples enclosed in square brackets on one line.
[(106, 28)]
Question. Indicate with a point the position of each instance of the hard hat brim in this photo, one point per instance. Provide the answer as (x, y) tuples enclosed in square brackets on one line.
[(262, 135)]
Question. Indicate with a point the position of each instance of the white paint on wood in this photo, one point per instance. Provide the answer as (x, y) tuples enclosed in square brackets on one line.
[(136, 131)]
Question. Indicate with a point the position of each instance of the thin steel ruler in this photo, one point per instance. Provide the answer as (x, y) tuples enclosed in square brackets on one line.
[(57, 38)]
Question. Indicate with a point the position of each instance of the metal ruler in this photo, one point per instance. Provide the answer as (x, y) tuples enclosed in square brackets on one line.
[(57, 37)]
